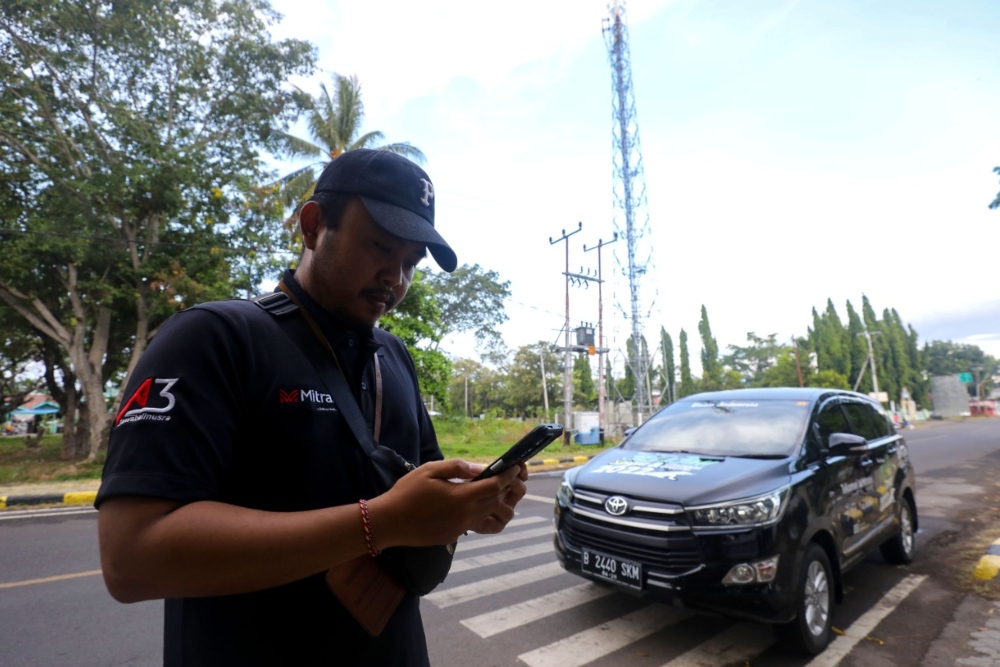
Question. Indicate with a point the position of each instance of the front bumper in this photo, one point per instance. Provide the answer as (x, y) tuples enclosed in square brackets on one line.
[(685, 568)]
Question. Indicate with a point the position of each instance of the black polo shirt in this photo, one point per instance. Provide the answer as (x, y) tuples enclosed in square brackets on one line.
[(224, 406)]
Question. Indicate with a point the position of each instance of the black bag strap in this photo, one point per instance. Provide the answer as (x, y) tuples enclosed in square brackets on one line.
[(281, 305)]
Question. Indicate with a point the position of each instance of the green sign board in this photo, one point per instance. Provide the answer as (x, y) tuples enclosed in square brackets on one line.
[(965, 377)]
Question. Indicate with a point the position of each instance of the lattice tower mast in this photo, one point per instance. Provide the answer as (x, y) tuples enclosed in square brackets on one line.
[(630, 210)]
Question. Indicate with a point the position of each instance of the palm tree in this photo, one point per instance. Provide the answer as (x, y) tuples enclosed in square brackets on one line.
[(334, 126)]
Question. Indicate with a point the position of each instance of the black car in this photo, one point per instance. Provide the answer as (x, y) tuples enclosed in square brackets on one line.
[(751, 503)]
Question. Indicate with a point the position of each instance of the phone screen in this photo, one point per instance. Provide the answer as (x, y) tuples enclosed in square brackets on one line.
[(525, 448)]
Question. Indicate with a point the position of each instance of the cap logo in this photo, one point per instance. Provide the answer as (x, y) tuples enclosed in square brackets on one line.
[(428, 192)]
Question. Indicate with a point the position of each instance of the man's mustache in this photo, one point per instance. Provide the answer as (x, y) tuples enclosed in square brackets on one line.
[(383, 295)]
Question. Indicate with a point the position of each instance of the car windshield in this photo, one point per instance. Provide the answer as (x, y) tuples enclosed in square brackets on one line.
[(725, 428)]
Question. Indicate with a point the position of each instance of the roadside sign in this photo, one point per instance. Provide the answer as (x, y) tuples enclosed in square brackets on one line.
[(965, 377)]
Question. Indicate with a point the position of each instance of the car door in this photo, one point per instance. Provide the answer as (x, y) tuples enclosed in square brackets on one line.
[(873, 486), (884, 448), (840, 485)]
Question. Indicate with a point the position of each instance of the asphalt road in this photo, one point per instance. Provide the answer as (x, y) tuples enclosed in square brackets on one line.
[(507, 602)]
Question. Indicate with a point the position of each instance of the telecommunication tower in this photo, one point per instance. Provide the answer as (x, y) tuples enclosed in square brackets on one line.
[(631, 216)]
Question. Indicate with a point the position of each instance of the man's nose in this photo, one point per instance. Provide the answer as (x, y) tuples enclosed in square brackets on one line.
[(392, 273)]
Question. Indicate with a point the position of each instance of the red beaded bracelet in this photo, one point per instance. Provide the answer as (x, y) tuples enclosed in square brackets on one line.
[(366, 521)]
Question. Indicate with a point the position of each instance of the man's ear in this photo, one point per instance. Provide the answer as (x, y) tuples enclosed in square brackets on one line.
[(310, 223)]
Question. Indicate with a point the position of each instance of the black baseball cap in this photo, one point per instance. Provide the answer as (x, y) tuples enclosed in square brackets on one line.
[(397, 193)]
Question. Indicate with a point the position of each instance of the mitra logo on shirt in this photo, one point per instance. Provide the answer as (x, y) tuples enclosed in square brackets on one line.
[(317, 399), (147, 405)]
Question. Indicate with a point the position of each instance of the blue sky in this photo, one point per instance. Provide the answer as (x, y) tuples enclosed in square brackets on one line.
[(792, 152)]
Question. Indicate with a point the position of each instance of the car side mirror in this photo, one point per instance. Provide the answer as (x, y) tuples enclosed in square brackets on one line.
[(847, 444)]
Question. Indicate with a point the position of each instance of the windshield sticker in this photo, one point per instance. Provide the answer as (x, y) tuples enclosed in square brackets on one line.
[(661, 466), (724, 404)]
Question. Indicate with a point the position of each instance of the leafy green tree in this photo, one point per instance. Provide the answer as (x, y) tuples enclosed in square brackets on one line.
[(584, 389), (334, 119), (468, 387), (626, 385), (134, 130), (523, 388), (752, 361), (687, 386), (711, 367), (828, 338), (417, 322), (669, 375), (471, 299)]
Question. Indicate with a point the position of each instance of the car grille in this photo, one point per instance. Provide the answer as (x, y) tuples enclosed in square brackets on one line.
[(654, 533)]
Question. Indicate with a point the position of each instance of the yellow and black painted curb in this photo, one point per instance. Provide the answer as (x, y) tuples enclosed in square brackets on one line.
[(555, 462), (989, 564), (72, 498)]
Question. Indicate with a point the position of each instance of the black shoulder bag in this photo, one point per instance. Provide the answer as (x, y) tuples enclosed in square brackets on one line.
[(418, 569)]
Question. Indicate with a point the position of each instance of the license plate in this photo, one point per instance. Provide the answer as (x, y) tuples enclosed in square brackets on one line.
[(621, 571)]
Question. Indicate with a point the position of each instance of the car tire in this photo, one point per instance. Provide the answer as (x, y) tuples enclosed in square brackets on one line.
[(899, 548), (810, 631)]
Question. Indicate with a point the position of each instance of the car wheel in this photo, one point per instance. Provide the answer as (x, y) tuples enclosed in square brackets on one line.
[(898, 549), (810, 631)]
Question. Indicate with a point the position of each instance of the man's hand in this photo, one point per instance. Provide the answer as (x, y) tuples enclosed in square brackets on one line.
[(437, 502), (496, 522)]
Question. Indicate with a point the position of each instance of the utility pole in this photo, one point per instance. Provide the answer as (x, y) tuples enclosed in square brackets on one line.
[(545, 389), (601, 350), (568, 372), (798, 366), (869, 362)]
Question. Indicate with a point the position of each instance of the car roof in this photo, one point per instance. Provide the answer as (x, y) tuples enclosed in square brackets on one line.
[(772, 393)]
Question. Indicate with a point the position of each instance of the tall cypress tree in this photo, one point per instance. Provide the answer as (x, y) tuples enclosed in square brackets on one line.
[(669, 369), (711, 367), (687, 382)]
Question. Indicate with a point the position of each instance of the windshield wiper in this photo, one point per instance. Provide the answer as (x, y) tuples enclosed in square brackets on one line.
[(761, 456)]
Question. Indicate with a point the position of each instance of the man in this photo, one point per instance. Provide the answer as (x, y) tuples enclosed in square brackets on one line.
[(233, 484)]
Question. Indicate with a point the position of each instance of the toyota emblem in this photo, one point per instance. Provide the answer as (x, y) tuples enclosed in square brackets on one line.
[(616, 505)]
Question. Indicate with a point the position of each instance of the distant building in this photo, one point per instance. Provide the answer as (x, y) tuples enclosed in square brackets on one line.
[(949, 396)]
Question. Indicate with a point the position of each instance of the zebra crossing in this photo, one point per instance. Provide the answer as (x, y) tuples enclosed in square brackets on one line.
[(531, 536)]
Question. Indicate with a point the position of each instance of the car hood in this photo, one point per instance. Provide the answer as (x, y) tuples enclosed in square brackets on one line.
[(688, 479)]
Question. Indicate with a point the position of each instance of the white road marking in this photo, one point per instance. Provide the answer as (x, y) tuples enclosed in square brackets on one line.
[(479, 589), (599, 641), (506, 537), (514, 616), (463, 564), (862, 627), (737, 645), (40, 513), (551, 500)]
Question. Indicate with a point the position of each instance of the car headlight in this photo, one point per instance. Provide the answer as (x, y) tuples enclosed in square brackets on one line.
[(760, 511), (565, 493)]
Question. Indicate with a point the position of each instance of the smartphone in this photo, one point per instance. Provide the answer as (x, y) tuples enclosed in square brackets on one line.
[(525, 448)]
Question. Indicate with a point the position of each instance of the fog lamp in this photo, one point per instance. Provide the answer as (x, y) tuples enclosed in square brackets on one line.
[(760, 572)]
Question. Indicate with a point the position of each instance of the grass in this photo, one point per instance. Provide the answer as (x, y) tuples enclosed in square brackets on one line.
[(23, 464), (481, 441)]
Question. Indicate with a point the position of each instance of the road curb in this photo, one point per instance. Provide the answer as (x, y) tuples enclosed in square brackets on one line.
[(70, 498), (555, 462), (989, 563)]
